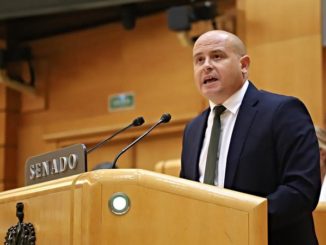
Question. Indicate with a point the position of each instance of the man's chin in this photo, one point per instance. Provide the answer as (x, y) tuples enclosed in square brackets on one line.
[(212, 93), (214, 96)]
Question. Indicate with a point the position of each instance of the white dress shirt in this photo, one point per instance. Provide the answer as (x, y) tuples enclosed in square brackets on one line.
[(322, 197), (228, 119)]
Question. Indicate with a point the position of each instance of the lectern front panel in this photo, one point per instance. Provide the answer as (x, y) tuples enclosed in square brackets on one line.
[(130, 206)]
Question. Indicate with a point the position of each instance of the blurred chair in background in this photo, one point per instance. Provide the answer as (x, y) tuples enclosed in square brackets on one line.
[(170, 167)]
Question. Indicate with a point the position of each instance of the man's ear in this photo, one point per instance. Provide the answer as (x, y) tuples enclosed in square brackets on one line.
[(245, 62)]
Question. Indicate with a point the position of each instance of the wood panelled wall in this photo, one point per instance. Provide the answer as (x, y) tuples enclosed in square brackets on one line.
[(77, 72), (9, 114), (284, 41)]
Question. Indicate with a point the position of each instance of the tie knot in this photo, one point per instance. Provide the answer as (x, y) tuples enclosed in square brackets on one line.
[(219, 109)]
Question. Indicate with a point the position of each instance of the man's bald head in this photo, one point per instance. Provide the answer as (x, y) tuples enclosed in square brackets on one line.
[(231, 40)]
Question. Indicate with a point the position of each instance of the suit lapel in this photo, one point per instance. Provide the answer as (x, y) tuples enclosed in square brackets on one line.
[(241, 129), (197, 142)]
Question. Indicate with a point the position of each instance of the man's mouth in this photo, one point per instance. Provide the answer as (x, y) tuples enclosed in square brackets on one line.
[(210, 80)]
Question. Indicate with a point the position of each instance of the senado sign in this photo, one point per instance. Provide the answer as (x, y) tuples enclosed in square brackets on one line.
[(57, 164)]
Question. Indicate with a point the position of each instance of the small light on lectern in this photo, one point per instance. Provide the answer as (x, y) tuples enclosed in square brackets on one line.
[(119, 203)]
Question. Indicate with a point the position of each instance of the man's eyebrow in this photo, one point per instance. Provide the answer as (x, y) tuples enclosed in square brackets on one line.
[(197, 54), (214, 51), (217, 51)]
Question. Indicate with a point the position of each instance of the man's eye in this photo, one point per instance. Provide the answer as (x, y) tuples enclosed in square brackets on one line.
[(199, 60), (216, 57)]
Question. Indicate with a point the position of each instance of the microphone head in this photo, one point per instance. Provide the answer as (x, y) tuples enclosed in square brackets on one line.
[(138, 121), (166, 117)]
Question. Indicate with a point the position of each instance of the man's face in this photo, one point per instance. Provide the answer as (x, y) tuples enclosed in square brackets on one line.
[(218, 69)]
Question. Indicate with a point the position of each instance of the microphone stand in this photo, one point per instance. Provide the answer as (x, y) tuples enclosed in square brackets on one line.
[(164, 119), (137, 122)]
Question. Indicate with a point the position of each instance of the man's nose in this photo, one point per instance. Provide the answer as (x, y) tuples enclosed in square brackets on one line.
[(208, 65)]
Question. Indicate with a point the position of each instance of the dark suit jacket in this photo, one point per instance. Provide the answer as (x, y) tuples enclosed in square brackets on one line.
[(273, 153)]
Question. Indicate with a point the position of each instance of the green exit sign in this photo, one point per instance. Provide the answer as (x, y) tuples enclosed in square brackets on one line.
[(121, 101)]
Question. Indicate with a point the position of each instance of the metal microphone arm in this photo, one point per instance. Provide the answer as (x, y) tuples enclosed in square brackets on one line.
[(137, 122), (164, 119)]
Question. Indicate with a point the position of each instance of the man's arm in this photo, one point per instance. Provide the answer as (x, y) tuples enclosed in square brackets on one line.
[(298, 157)]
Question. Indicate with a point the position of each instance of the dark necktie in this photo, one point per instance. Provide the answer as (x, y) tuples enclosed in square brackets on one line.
[(212, 158)]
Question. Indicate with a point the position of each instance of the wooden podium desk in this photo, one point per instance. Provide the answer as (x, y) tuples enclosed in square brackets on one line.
[(163, 210)]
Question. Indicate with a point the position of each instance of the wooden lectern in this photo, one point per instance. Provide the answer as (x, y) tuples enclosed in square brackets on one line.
[(163, 210)]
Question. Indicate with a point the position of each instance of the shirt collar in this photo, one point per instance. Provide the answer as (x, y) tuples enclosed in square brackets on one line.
[(233, 103)]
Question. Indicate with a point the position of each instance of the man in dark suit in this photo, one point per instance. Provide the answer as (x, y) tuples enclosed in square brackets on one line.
[(267, 144)]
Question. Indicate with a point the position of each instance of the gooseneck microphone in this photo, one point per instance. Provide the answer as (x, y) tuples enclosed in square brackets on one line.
[(135, 123), (166, 117)]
